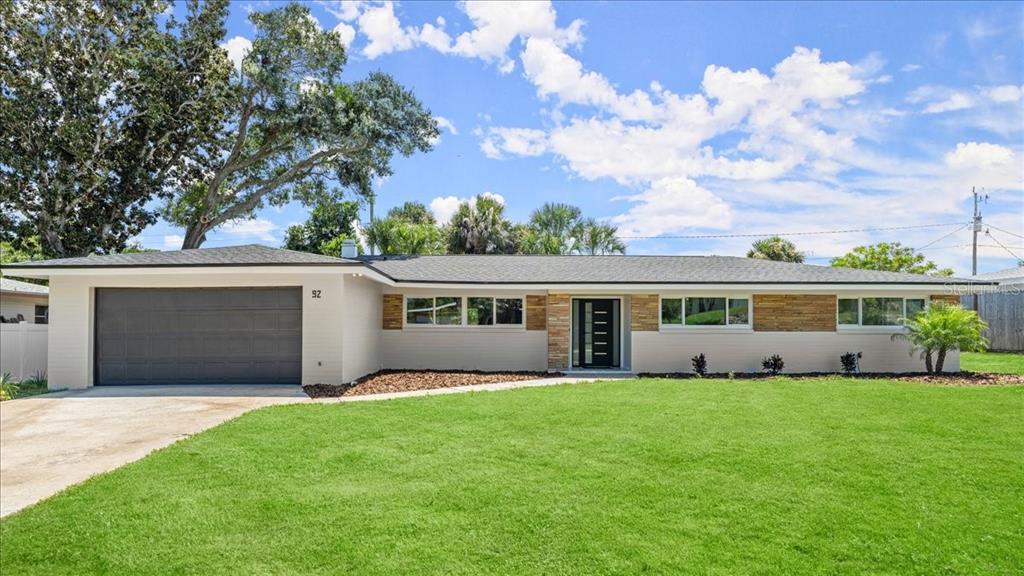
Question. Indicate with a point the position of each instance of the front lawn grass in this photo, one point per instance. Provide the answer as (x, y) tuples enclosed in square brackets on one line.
[(777, 476), (997, 362)]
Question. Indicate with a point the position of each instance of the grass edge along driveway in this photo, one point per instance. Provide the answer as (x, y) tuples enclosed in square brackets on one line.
[(657, 476)]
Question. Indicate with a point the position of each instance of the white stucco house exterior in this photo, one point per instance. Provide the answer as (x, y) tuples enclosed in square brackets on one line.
[(253, 314), (23, 301)]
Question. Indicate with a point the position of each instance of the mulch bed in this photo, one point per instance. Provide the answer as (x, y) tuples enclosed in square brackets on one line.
[(406, 380), (945, 378)]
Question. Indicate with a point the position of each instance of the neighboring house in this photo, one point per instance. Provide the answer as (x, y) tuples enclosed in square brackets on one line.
[(1002, 309), (22, 299), (254, 314)]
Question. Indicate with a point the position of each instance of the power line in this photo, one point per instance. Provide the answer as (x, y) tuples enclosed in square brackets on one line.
[(943, 237), (996, 240), (1005, 231), (814, 233)]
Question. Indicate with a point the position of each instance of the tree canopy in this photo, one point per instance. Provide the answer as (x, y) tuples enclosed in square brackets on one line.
[(291, 125), (891, 257), (329, 224), (775, 248), (96, 113)]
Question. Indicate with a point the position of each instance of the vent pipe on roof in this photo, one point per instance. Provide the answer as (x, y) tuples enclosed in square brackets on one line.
[(348, 248)]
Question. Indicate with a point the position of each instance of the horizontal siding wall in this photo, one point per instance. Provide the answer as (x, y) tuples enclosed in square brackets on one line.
[(11, 305), (802, 351), (465, 349)]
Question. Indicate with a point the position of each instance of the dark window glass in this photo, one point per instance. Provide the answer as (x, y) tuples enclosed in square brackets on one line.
[(42, 314), (480, 311), (419, 311), (848, 311), (882, 311), (705, 311), (448, 310), (509, 310), (671, 311), (915, 306), (739, 311)]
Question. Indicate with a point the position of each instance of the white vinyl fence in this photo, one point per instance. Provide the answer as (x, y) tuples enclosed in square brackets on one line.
[(23, 350)]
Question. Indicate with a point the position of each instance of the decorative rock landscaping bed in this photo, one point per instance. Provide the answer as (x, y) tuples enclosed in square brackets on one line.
[(406, 380)]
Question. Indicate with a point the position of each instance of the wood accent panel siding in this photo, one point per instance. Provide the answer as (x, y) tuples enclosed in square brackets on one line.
[(951, 299), (794, 313), (644, 312), (558, 323), (536, 311), (392, 312)]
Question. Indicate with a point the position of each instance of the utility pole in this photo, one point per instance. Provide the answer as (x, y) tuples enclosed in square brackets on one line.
[(974, 245), (373, 251)]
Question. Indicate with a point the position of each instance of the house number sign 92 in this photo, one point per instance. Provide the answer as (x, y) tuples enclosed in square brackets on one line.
[(316, 294)]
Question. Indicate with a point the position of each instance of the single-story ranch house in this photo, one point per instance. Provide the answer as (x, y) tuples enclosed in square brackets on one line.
[(253, 314)]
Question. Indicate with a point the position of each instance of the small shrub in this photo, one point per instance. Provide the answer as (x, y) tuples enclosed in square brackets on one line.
[(851, 362), (700, 365), (773, 364), (8, 387)]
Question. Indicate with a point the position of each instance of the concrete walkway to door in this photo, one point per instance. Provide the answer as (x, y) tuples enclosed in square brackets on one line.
[(50, 442)]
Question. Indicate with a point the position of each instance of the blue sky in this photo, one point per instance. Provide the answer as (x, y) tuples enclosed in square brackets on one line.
[(702, 119)]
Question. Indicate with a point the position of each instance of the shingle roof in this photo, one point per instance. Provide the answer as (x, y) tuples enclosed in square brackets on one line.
[(1013, 275), (248, 255), (8, 285), (628, 270), (501, 269)]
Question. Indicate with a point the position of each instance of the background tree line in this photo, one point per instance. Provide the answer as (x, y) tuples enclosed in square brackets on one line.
[(479, 226)]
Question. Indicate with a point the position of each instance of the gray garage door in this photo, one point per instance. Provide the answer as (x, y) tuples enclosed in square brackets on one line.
[(198, 336)]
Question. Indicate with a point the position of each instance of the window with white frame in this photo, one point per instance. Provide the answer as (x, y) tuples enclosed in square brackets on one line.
[(705, 311), (463, 311), (439, 310), (878, 311), (489, 311)]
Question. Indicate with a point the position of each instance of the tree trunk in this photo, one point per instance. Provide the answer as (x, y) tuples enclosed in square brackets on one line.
[(940, 359), (928, 361), (195, 235)]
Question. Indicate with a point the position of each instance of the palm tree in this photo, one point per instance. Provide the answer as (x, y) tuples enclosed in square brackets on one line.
[(595, 238), (384, 233), (480, 227), (553, 229), (775, 248), (942, 328)]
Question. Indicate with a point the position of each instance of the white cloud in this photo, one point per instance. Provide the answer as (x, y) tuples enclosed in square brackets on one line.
[(498, 24), (517, 141), (955, 101), (259, 228), (346, 32), (444, 207), (979, 155), (1005, 93), (173, 241), (978, 30), (910, 68), (672, 205), (553, 71), (384, 31), (446, 124), (344, 10), (237, 48)]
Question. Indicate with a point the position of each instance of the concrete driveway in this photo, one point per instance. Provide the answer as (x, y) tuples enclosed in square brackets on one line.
[(50, 442)]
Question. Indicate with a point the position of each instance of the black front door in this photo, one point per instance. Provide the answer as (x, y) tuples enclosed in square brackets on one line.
[(597, 333)]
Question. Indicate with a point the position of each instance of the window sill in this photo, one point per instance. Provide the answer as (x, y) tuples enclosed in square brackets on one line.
[(463, 328), (706, 329), (870, 329)]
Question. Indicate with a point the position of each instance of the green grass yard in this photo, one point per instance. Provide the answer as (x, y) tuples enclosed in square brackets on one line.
[(998, 362), (776, 476)]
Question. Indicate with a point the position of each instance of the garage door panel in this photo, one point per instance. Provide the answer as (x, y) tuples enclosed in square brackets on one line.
[(201, 336)]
